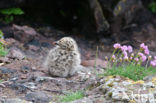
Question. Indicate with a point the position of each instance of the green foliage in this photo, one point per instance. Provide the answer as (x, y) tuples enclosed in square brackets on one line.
[(1, 80), (3, 52), (152, 6), (1, 34), (125, 62), (134, 72), (72, 96), (8, 14), (12, 11)]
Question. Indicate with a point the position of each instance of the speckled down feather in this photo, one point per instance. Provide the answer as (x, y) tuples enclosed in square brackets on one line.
[(64, 59)]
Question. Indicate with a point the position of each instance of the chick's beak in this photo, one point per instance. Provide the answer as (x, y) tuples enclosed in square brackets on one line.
[(55, 43)]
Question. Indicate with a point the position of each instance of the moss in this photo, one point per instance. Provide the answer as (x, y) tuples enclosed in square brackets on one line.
[(110, 85), (110, 94)]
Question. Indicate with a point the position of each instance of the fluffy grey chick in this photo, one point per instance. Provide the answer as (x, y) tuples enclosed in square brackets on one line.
[(64, 59)]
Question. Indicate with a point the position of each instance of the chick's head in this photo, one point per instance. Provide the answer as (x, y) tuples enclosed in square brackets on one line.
[(67, 43)]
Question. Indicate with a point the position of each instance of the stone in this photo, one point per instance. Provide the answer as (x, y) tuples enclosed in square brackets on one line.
[(101, 22), (24, 33), (25, 69), (30, 85), (92, 99), (12, 41), (127, 8), (119, 94), (149, 85), (33, 48), (34, 42), (16, 53), (7, 70), (84, 100), (99, 63), (4, 60), (21, 88), (13, 100), (38, 97), (148, 78), (45, 44)]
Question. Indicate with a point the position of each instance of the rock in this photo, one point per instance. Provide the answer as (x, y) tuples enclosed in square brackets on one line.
[(4, 60), (6, 73), (38, 97), (101, 22), (60, 85), (98, 62), (30, 85), (119, 94), (117, 89), (40, 78), (48, 31), (33, 48), (21, 88), (25, 69), (16, 53), (33, 68), (7, 70), (127, 8), (33, 45), (2, 85), (149, 85), (24, 33), (34, 42), (45, 44), (12, 41), (13, 100), (7, 30), (84, 100), (92, 99), (148, 78), (147, 34)]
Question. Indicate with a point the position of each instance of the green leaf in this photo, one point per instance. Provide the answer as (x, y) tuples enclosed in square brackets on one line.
[(10, 11), (152, 7)]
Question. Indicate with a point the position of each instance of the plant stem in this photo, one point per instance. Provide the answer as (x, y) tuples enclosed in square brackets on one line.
[(96, 59), (109, 63), (147, 63)]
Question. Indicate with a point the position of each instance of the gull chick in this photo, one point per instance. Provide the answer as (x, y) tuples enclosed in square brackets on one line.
[(64, 59)]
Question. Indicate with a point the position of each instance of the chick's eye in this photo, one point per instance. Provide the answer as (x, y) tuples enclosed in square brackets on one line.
[(61, 41)]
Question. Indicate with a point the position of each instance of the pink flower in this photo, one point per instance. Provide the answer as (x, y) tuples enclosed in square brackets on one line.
[(124, 53), (142, 45), (153, 63), (143, 58), (141, 54), (145, 48), (124, 48), (136, 59), (117, 45), (130, 49), (113, 56), (146, 51), (155, 57)]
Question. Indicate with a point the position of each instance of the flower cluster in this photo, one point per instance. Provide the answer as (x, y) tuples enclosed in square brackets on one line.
[(124, 49), (138, 58), (144, 48), (153, 62)]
